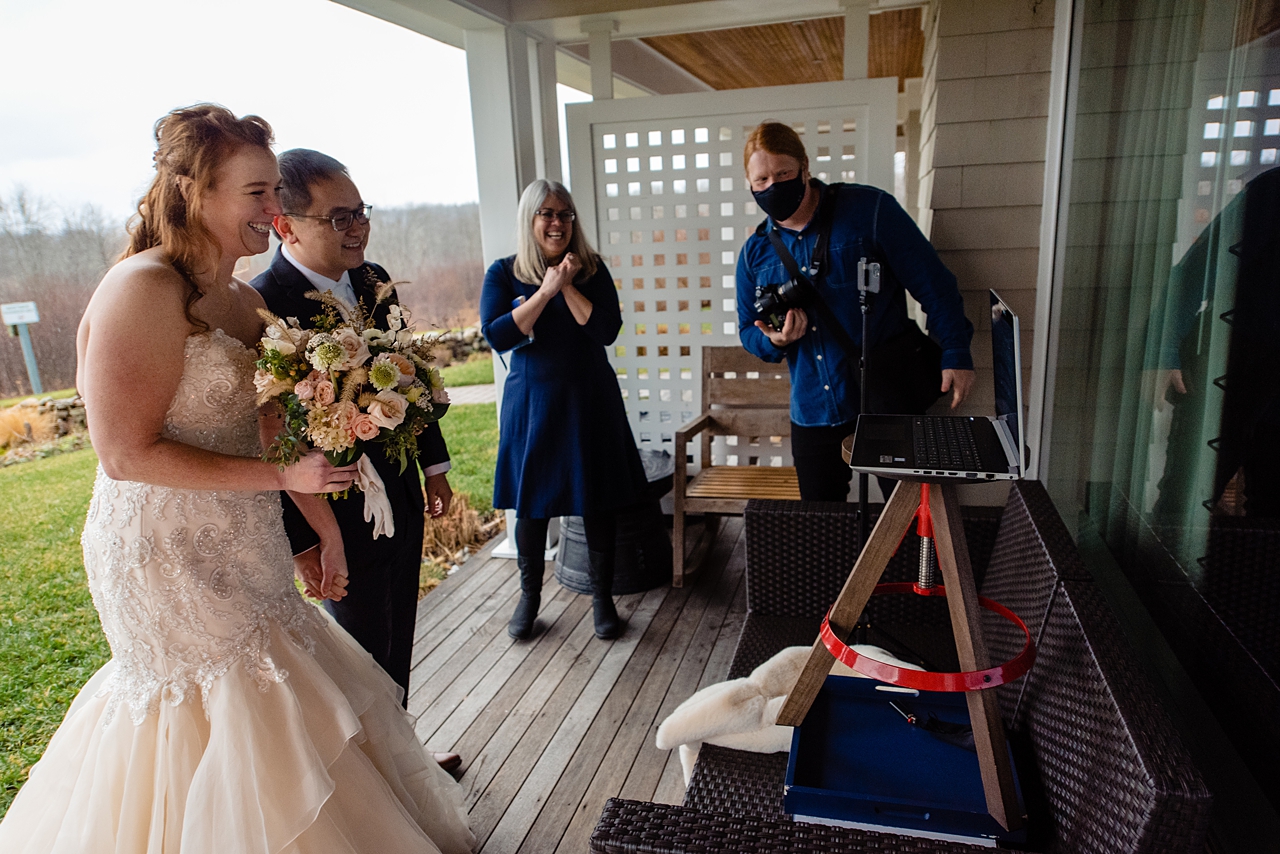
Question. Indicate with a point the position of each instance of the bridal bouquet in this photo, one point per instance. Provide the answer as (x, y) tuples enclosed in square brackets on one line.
[(346, 382)]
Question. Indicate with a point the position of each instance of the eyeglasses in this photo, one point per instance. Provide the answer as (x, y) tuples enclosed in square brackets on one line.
[(548, 215), (342, 221)]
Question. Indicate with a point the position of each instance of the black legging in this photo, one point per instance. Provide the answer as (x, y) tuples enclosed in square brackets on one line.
[(531, 535)]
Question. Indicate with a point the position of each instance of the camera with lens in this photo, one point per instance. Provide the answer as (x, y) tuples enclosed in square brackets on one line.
[(772, 301)]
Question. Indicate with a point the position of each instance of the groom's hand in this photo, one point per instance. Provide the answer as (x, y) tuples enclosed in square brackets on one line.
[(307, 569), (439, 495), (310, 568), (333, 570)]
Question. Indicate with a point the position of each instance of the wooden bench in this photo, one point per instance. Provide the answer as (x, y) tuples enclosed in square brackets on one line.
[(743, 397), (1103, 770)]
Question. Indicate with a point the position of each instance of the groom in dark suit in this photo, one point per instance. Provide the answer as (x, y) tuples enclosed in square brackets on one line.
[(323, 234)]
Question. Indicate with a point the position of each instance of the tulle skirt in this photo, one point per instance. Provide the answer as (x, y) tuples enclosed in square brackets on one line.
[(325, 761)]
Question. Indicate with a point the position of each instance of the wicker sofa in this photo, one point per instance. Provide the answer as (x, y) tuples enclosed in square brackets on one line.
[(1102, 767)]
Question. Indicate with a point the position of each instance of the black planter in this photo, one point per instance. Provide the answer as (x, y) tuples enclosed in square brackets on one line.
[(643, 548)]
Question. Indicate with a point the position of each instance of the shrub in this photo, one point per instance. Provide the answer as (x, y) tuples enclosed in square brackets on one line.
[(24, 423)]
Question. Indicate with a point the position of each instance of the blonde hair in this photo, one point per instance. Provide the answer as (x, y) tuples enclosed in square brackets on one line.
[(529, 265), (191, 142)]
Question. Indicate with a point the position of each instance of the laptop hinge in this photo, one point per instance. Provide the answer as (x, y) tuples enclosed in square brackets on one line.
[(1011, 455)]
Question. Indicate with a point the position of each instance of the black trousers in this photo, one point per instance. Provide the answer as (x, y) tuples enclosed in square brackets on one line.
[(820, 467), (531, 535), (380, 609)]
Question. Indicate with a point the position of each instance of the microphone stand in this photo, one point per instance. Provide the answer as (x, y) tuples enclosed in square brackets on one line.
[(868, 284)]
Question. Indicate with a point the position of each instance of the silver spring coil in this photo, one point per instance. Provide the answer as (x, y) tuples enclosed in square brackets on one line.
[(927, 564)]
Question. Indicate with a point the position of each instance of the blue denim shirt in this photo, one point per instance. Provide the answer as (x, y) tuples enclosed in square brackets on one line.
[(869, 223)]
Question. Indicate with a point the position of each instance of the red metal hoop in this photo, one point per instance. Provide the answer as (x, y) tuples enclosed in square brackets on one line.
[(971, 680)]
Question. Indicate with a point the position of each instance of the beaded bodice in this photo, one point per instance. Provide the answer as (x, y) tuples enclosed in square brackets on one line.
[(188, 583)]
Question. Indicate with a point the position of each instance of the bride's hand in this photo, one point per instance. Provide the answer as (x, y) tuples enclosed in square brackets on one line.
[(314, 474)]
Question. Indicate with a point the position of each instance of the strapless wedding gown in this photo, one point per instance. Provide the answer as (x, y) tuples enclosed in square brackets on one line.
[(234, 717)]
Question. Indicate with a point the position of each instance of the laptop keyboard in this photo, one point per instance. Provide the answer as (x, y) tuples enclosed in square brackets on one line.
[(945, 443)]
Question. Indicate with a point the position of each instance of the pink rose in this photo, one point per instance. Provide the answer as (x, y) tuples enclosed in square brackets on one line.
[(388, 409), (439, 395), (324, 393), (304, 389), (356, 348), (364, 428)]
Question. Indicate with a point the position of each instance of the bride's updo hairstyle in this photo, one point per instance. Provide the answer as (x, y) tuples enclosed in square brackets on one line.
[(191, 142)]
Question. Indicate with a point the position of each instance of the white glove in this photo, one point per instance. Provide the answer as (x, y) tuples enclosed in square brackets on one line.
[(376, 506)]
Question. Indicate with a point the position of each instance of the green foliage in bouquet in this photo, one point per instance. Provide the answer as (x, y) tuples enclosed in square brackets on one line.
[(346, 382)]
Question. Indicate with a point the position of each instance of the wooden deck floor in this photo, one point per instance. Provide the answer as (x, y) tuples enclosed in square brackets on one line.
[(551, 728)]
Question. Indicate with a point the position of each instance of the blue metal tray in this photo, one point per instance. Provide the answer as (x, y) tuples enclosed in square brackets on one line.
[(857, 762)]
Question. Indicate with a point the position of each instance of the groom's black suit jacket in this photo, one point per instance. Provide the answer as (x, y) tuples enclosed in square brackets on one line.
[(381, 603)]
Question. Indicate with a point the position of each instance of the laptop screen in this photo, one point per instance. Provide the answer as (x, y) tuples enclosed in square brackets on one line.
[(1005, 364)]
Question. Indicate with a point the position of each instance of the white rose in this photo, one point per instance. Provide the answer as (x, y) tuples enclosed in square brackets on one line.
[(268, 386)]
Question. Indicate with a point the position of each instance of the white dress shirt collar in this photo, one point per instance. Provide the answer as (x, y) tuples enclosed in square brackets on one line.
[(342, 288)]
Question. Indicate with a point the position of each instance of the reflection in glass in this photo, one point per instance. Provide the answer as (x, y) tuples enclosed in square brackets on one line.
[(1165, 416)]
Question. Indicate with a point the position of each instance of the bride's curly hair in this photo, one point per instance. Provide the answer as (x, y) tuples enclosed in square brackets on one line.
[(191, 142)]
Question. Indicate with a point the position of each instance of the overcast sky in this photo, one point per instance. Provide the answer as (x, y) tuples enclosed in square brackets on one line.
[(85, 81)]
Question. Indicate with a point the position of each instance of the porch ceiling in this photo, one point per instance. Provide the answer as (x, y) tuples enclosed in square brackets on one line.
[(809, 51), (801, 51), (446, 20)]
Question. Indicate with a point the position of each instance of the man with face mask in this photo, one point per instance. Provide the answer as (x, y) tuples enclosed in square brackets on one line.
[(861, 222)]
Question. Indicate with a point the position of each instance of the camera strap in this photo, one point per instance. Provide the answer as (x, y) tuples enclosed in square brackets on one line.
[(818, 267)]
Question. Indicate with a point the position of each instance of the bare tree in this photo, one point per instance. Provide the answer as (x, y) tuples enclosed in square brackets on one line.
[(56, 260), (435, 251)]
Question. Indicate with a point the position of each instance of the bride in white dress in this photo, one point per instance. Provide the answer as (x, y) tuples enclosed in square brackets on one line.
[(234, 717)]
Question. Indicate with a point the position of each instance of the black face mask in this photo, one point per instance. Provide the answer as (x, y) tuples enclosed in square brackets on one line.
[(782, 198)]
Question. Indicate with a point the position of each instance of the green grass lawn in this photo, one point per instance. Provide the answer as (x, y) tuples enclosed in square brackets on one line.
[(471, 432), (472, 372), (50, 639)]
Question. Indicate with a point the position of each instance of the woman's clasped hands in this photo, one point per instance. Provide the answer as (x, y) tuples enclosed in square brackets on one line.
[(561, 274)]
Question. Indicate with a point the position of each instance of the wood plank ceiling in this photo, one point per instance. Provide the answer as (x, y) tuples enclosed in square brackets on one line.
[(799, 52)]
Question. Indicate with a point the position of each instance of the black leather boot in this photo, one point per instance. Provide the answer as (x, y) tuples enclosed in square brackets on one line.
[(531, 570), (608, 625)]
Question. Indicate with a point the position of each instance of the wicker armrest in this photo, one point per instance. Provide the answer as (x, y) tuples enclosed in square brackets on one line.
[(637, 827)]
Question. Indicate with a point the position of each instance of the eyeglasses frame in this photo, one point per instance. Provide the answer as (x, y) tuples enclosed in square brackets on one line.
[(548, 215), (360, 214)]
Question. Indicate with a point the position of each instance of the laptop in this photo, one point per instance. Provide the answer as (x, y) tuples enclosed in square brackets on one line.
[(952, 447)]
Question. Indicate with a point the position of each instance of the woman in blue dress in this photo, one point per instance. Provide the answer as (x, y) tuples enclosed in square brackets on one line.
[(565, 447)]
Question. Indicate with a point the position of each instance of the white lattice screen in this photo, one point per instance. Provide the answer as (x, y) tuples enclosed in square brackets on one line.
[(662, 181)]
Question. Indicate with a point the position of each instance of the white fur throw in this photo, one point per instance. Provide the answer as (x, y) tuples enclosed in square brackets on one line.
[(741, 713)]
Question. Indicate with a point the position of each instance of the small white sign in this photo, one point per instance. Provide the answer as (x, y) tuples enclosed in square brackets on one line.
[(13, 313)]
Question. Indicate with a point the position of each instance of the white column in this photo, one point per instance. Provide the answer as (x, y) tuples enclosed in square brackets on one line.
[(501, 123), (600, 31), (543, 69), (503, 119), (857, 25)]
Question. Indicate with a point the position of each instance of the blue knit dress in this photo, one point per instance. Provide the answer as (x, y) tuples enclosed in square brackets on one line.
[(565, 447)]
